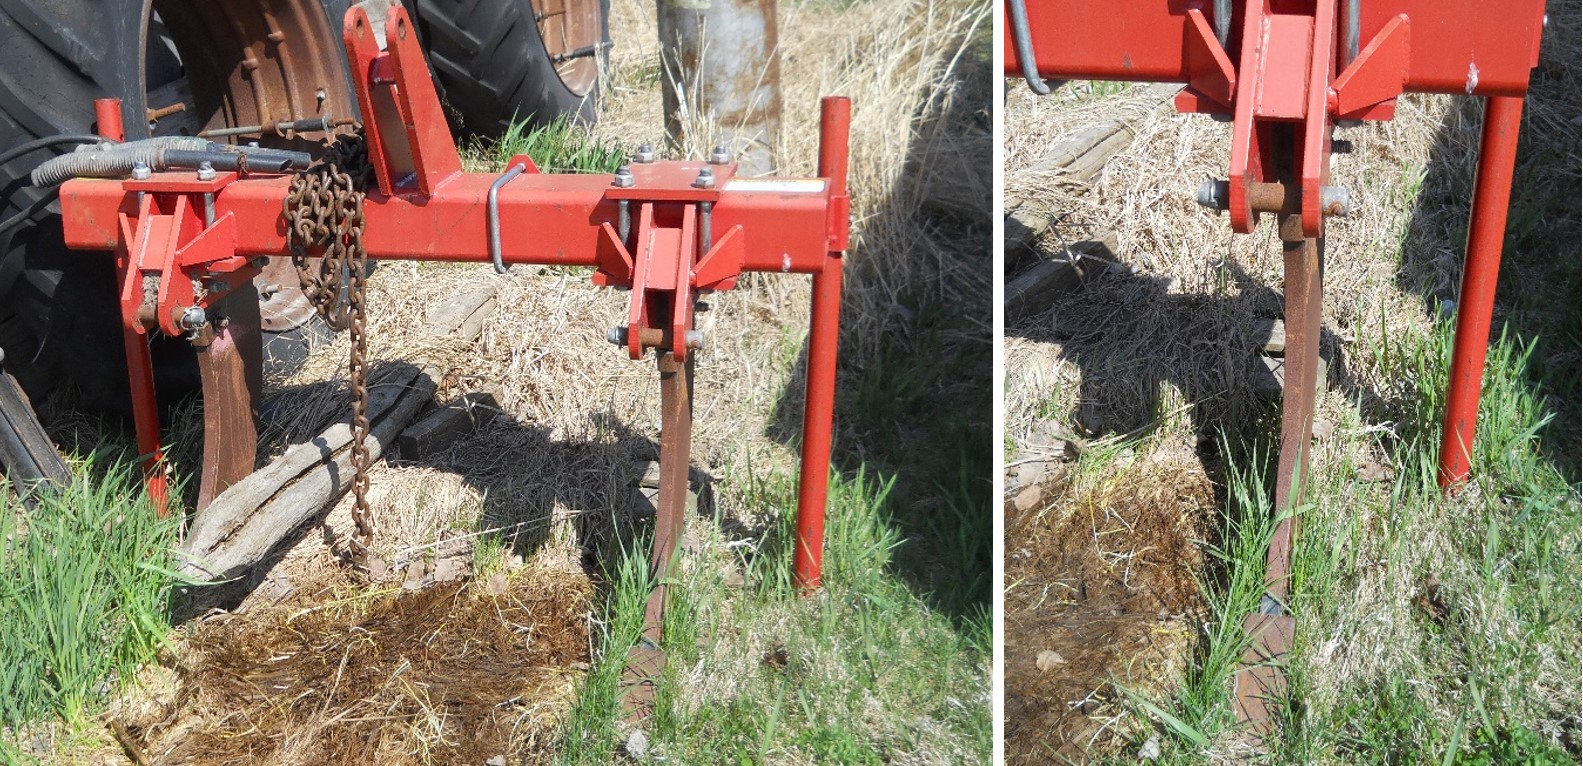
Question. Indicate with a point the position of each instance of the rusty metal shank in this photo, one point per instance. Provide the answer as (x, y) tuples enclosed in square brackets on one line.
[(646, 660), (1260, 682), (231, 369)]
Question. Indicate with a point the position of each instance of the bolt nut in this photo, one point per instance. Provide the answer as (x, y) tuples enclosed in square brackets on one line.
[(205, 171), (705, 179), (645, 154), (1334, 200), (695, 339), (194, 317), (624, 179), (1215, 195), (617, 336), (719, 156), (141, 171)]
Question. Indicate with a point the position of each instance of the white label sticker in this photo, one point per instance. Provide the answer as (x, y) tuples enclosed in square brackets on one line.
[(776, 185)]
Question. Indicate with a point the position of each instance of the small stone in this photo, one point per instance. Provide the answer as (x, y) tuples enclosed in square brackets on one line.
[(496, 585), (1374, 471), (1048, 659), (449, 570), (516, 561), (1323, 429), (1031, 473), (1027, 498), (415, 575), (499, 760), (637, 744), (1151, 749), (732, 576)]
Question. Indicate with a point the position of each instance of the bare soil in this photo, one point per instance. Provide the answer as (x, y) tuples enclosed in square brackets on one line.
[(452, 673), (1101, 576)]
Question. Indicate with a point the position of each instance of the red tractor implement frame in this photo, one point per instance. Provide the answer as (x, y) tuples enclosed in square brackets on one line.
[(188, 246)]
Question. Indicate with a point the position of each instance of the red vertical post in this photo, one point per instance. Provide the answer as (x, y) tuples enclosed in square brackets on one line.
[(1486, 233), (145, 416), (107, 113), (824, 332)]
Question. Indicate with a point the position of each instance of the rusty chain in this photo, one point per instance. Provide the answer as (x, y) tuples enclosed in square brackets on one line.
[(324, 213)]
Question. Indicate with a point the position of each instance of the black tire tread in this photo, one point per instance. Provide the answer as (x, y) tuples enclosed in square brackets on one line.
[(491, 65)]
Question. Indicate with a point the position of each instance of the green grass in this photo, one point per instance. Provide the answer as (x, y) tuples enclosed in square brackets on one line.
[(1377, 678), (85, 581), (563, 146), (862, 672)]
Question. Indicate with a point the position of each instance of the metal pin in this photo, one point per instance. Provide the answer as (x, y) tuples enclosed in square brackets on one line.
[(705, 223), (624, 219), (492, 213)]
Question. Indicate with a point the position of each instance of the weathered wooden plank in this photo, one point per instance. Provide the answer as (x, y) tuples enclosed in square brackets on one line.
[(1031, 291), (239, 529), (1077, 159)]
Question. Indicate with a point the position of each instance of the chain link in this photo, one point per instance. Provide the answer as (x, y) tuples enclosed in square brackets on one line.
[(324, 213)]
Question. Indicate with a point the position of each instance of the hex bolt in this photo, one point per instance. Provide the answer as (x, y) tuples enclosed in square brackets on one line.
[(645, 154), (624, 179), (194, 317), (705, 180), (719, 156), (1334, 200), (205, 171), (1215, 195), (141, 171)]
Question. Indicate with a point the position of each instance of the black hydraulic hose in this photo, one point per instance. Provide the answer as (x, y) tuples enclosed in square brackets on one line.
[(1024, 43), (186, 158), (48, 141), (29, 211), (1223, 21), (1349, 30), (257, 154)]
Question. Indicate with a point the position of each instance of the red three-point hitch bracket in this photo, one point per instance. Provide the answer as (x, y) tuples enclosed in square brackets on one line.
[(1286, 72), (667, 231)]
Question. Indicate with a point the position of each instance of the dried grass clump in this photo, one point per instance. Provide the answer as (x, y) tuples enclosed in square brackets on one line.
[(1104, 581), (449, 674)]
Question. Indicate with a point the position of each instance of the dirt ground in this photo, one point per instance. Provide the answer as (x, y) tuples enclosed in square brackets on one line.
[(1099, 592)]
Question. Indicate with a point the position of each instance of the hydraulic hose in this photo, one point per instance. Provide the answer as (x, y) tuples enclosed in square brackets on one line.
[(112, 161), (48, 141)]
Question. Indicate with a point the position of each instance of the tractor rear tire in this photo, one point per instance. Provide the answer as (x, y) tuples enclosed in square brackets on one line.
[(499, 61)]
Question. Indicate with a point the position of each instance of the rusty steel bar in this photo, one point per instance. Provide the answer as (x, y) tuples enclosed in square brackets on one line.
[(823, 338), (720, 66), (1476, 303), (107, 116), (1304, 262), (1260, 681)]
